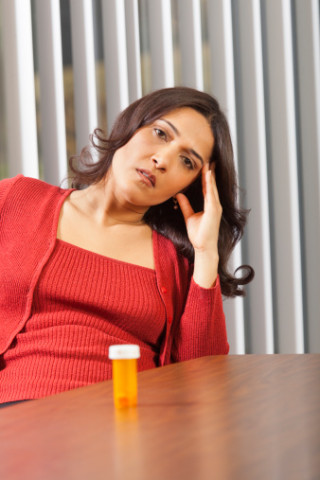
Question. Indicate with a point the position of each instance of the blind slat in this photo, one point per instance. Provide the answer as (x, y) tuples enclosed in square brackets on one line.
[(161, 47), (19, 86), (115, 58), (53, 132), (282, 158), (133, 49), (253, 169), (308, 71), (190, 43), (85, 92)]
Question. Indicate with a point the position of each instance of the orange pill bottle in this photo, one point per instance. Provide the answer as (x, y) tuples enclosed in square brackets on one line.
[(124, 373)]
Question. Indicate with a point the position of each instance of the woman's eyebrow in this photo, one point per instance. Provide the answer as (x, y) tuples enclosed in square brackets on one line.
[(176, 131)]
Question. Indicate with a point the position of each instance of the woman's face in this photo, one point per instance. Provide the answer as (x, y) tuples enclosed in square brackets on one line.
[(161, 159)]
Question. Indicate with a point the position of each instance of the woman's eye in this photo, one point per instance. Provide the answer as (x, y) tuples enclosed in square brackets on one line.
[(188, 163), (160, 133)]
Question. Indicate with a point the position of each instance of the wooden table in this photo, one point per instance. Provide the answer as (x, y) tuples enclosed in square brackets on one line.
[(219, 418)]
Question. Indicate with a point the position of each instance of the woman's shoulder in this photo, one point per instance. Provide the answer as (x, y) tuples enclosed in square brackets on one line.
[(21, 189), (6, 184), (23, 184), (20, 181)]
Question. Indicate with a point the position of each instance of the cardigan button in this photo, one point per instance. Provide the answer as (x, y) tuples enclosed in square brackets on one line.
[(164, 290)]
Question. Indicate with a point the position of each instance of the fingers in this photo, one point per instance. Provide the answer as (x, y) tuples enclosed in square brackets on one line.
[(184, 205), (204, 172), (210, 194), (211, 197)]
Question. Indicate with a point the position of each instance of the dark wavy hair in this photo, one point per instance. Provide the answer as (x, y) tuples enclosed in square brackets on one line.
[(164, 218)]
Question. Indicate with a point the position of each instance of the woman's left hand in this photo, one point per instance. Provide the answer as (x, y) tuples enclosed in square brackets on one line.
[(203, 228)]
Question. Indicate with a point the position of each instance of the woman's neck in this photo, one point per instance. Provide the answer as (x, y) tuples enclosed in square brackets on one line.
[(100, 203)]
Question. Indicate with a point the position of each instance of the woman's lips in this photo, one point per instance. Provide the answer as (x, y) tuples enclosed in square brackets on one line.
[(147, 177)]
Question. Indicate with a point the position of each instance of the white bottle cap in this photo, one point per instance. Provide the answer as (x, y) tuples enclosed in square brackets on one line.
[(124, 352)]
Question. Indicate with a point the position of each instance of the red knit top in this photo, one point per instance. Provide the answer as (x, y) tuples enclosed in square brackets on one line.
[(82, 304), (61, 306)]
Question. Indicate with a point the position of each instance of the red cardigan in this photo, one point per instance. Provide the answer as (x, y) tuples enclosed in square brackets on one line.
[(29, 214)]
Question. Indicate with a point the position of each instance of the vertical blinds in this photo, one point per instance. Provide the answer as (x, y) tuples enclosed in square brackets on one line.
[(260, 58)]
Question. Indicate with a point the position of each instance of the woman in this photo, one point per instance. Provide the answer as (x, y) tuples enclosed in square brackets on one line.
[(137, 252)]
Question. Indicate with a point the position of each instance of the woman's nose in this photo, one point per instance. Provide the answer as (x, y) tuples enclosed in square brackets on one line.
[(160, 163), (162, 158)]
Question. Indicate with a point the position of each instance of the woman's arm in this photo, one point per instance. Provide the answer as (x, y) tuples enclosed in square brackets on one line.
[(203, 230), (202, 329)]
